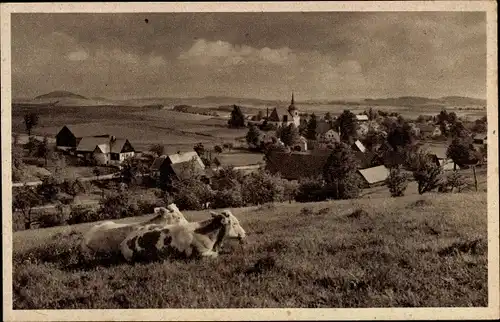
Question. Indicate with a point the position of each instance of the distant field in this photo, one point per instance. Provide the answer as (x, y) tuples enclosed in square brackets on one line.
[(414, 251), (143, 127)]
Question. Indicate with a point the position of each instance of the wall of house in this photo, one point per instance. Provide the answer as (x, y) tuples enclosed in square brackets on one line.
[(126, 155), (65, 138), (101, 158)]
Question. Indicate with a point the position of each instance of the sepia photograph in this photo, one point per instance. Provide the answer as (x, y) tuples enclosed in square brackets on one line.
[(165, 157)]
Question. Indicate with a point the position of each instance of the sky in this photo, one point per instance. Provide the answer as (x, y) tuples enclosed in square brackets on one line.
[(332, 55)]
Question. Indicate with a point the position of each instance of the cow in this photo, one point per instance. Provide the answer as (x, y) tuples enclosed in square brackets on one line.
[(106, 236), (184, 240)]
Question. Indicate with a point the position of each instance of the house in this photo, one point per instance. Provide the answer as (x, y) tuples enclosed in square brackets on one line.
[(104, 150), (362, 118), (69, 137), (177, 165), (301, 145), (374, 176), (428, 130), (296, 165), (330, 136), (481, 139), (290, 117)]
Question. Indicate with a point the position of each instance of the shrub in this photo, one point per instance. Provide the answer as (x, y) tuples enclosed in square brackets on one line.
[(80, 214), (312, 189), (49, 189), (50, 219), (190, 193), (397, 181), (148, 206), (427, 174), (228, 198), (455, 180), (261, 187)]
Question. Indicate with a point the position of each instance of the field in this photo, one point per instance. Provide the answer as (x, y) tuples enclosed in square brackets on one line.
[(142, 126), (413, 251)]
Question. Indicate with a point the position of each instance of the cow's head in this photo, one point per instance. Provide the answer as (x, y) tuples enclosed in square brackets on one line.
[(233, 227), (170, 217)]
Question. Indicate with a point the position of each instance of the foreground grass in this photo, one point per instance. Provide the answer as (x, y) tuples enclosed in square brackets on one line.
[(416, 251)]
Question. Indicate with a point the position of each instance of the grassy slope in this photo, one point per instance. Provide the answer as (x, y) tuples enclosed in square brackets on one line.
[(400, 254)]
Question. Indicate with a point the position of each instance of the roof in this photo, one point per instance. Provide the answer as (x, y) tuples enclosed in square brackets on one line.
[(360, 146), (447, 165), (322, 127), (86, 129), (480, 136), (117, 145), (89, 143), (426, 127), (181, 167), (362, 117), (438, 151), (374, 174), (185, 157), (296, 165), (274, 116), (157, 163)]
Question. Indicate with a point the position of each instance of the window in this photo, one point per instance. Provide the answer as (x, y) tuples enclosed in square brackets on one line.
[(115, 156)]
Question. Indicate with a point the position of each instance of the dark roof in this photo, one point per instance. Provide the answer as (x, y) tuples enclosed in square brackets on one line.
[(89, 143), (296, 165), (157, 163), (322, 127), (274, 117), (85, 130)]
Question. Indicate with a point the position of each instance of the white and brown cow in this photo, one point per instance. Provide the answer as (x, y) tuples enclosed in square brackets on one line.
[(199, 238), (106, 237)]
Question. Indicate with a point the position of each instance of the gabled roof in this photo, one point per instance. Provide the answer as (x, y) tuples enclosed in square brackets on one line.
[(293, 166), (360, 146), (185, 157), (374, 174), (480, 136), (117, 145), (322, 127), (362, 117), (157, 163), (180, 169), (85, 129), (89, 143), (274, 116)]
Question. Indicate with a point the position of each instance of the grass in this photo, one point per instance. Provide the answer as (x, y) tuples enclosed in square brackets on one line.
[(414, 251)]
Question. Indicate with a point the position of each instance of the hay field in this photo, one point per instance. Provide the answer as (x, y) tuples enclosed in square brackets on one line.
[(414, 251)]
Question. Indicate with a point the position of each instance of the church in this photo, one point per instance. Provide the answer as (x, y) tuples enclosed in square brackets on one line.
[(290, 117)]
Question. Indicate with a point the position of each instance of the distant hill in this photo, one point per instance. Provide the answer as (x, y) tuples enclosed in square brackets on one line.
[(60, 94)]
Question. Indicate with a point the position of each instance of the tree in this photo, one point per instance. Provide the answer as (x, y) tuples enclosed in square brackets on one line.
[(17, 163), (311, 127), (400, 136), (461, 152), (43, 149), (289, 135), (397, 181), (218, 149), (456, 180), (348, 126), (480, 126), (25, 199), (157, 149), (262, 187), (372, 114), (373, 138), (427, 174), (328, 117), (114, 205), (30, 122), (237, 119), (130, 169), (339, 172), (458, 130), (199, 149), (49, 189), (253, 137)]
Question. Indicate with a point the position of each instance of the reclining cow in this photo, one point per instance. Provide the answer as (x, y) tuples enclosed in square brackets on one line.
[(106, 237), (199, 238)]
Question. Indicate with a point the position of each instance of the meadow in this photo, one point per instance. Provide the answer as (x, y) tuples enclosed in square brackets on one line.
[(415, 251)]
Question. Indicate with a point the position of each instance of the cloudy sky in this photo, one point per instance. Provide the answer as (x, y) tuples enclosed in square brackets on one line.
[(259, 55)]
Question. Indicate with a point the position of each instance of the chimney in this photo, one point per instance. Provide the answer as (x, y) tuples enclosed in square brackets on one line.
[(113, 138)]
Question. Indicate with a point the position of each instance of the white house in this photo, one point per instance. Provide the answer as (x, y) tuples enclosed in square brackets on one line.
[(105, 150)]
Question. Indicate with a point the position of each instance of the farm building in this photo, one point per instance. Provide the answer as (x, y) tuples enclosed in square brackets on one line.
[(362, 118), (69, 136), (296, 165), (177, 165), (480, 139), (374, 176), (104, 150)]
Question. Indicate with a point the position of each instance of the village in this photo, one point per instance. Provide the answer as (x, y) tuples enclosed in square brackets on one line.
[(286, 143)]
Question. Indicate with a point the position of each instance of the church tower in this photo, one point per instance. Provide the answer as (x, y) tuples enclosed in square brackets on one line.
[(294, 112)]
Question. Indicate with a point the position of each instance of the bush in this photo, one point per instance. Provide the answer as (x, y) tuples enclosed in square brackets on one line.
[(191, 194), (49, 189), (82, 214), (455, 180), (262, 187), (114, 205), (397, 182), (228, 198), (50, 219), (311, 190), (427, 174), (148, 206)]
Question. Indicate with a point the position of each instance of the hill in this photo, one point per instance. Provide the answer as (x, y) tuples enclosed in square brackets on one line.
[(60, 94), (412, 251)]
